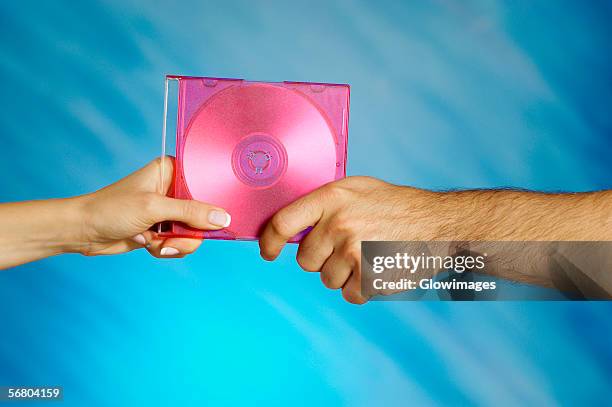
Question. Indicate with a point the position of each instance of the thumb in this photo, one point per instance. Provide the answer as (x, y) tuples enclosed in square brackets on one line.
[(156, 176), (196, 214)]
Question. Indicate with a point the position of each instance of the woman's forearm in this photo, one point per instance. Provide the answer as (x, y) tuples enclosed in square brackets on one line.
[(36, 229), (113, 220)]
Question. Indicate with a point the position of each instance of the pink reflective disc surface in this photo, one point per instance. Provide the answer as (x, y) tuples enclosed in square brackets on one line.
[(254, 148)]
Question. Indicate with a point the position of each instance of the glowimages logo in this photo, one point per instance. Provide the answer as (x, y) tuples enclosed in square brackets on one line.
[(403, 271), (461, 270)]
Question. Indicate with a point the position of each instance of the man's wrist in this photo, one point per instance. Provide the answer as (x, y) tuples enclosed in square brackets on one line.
[(427, 215)]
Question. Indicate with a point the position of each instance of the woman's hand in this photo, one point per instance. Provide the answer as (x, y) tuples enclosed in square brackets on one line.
[(117, 218), (113, 220)]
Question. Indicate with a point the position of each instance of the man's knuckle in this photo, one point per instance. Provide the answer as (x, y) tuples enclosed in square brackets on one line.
[(327, 280), (304, 260), (266, 250), (335, 192), (330, 280), (342, 224), (280, 224), (326, 268), (352, 252), (352, 296)]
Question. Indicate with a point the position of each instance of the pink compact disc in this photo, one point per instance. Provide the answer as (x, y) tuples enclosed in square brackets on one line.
[(254, 147)]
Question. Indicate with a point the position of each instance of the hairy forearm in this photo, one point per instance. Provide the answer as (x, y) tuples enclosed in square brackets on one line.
[(36, 229), (486, 217), (519, 215)]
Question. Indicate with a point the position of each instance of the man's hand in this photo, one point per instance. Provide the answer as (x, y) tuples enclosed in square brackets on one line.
[(342, 214), (346, 212)]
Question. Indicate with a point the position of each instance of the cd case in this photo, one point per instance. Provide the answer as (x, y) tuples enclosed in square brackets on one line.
[(251, 147)]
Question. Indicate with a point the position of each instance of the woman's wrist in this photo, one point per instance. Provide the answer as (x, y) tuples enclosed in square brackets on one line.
[(72, 234)]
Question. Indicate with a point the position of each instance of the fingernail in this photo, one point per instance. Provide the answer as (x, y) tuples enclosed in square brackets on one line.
[(168, 251), (140, 239), (219, 218)]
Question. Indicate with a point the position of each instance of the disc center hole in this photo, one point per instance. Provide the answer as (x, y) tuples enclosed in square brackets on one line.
[(259, 160)]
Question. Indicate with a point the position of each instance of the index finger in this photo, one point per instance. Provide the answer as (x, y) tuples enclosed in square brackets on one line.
[(290, 221)]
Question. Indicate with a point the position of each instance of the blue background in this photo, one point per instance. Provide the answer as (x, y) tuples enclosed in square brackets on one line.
[(445, 94)]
